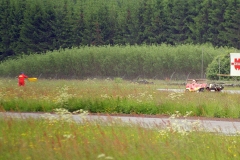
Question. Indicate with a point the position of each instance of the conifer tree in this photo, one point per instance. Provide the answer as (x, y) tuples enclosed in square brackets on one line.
[(179, 28), (130, 29), (158, 24), (231, 25), (5, 33), (18, 9), (63, 27), (79, 27), (169, 30), (216, 27), (36, 31), (102, 27), (145, 17)]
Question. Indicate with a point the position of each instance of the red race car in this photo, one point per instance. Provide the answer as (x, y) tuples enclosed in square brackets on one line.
[(199, 85)]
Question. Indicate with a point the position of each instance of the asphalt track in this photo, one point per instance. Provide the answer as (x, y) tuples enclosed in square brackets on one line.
[(183, 90), (227, 127)]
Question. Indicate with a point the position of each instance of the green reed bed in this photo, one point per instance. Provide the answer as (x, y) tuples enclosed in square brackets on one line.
[(62, 138), (116, 61), (114, 96)]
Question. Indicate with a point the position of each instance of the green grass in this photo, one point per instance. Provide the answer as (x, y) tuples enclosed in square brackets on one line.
[(114, 96), (58, 139), (63, 138)]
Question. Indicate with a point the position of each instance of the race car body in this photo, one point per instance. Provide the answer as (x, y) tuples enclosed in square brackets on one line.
[(199, 85), (195, 86)]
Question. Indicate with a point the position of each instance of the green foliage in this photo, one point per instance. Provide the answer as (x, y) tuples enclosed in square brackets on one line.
[(38, 26), (32, 105), (118, 80), (10, 19), (146, 61), (221, 65)]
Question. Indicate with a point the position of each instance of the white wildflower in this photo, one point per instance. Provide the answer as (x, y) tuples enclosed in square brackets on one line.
[(63, 97), (68, 136), (101, 155), (105, 96), (183, 127)]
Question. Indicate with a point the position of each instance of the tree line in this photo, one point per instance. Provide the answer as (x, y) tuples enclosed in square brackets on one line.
[(38, 26)]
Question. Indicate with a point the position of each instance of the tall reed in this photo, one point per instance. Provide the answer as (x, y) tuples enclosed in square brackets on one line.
[(155, 61)]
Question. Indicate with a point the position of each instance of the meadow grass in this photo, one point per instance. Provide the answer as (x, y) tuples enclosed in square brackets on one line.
[(60, 138), (114, 96)]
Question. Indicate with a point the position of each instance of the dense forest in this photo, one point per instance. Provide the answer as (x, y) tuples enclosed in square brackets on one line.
[(38, 26)]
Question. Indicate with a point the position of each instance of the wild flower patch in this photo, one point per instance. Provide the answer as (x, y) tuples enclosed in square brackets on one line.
[(63, 115), (63, 97), (175, 96), (181, 126)]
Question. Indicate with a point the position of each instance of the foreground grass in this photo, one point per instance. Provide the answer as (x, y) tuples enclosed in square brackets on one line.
[(61, 139), (114, 96)]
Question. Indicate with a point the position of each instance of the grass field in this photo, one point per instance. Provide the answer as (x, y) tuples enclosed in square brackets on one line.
[(62, 138), (114, 96)]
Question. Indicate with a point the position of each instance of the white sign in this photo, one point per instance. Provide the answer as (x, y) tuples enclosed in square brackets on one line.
[(234, 64)]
